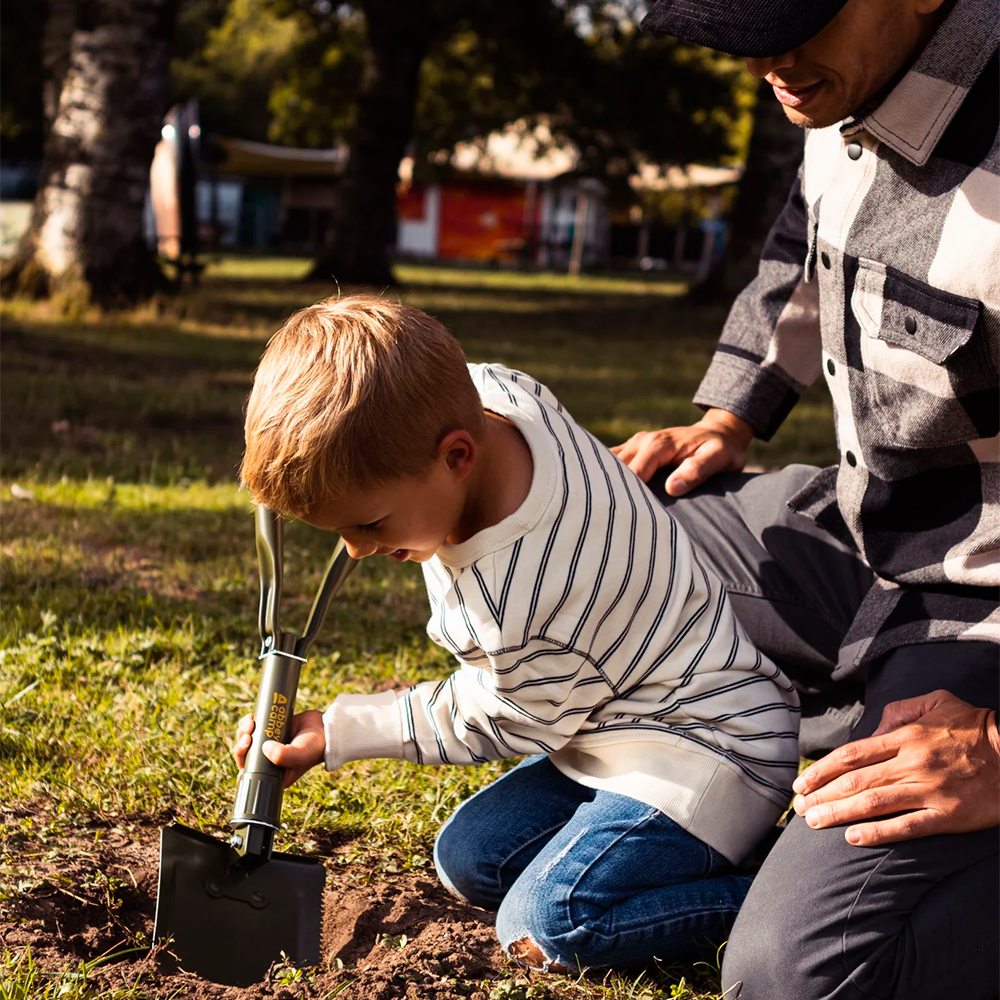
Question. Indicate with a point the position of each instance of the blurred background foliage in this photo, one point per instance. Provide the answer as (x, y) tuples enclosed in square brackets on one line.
[(384, 79), (22, 118), (289, 71)]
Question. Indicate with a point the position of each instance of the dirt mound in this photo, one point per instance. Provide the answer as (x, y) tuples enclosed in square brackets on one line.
[(83, 901), (408, 938)]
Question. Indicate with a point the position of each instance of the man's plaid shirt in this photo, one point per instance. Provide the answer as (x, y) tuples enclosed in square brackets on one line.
[(883, 273)]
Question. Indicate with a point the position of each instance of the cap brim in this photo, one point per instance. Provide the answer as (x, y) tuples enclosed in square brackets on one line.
[(742, 27)]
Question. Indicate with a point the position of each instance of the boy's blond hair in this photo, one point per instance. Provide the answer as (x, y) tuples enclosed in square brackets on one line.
[(352, 393)]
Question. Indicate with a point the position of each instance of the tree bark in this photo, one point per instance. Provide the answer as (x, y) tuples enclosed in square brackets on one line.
[(85, 238), (59, 25), (399, 35), (775, 153)]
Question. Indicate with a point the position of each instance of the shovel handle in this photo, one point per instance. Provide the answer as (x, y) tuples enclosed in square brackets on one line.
[(338, 569), (260, 787), (259, 791), (269, 532)]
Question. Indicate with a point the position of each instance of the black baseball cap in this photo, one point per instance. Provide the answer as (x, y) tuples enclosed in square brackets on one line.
[(742, 27)]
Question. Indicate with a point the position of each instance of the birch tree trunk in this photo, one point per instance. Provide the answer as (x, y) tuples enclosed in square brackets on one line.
[(108, 62), (399, 34)]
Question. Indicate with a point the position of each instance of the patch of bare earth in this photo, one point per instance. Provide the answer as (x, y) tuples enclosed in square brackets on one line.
[(75, 894)]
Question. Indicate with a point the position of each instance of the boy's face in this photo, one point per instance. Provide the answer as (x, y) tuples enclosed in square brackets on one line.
[(406, 519)]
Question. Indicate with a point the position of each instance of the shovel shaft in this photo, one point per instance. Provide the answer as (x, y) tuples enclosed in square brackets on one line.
[(279, 682), (258, 795)]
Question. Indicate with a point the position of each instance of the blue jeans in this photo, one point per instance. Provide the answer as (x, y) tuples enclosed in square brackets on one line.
[(590, 877)]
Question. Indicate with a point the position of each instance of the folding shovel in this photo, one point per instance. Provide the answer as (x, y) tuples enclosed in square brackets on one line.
[(231, 909)]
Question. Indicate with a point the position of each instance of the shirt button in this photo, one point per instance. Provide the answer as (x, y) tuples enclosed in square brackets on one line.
[(825, 258), (854, 150), (851, 459), (831, 367), (910, 325)]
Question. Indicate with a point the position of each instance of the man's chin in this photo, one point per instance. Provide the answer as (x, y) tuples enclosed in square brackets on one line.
[(820, 116), (812, 120)]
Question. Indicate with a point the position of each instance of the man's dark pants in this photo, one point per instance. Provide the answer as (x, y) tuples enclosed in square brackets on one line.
[(825, 920)]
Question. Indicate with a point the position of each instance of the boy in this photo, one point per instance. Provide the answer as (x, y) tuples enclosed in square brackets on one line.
[(587, 632)]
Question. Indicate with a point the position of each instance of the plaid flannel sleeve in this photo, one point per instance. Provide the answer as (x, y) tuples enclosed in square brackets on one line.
[(770, 348)]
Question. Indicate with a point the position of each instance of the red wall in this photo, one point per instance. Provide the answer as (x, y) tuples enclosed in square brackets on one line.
[(480, 223), (477, 222)]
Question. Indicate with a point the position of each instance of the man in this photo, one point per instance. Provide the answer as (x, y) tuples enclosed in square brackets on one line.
[(874, 580)]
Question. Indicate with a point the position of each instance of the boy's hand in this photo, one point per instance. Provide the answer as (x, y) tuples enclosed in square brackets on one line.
[(306, 750)]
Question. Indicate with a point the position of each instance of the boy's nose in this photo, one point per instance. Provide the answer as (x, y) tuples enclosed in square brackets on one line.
[(356, 551)]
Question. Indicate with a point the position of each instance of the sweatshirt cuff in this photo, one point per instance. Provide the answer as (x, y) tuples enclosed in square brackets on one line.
[(362, 726)]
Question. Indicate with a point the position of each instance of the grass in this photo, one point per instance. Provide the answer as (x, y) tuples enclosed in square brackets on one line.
[(129, 587), (295, 268), (22, 978)]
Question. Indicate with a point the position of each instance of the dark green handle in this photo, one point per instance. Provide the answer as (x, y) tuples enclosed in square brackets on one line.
[(258, 794)]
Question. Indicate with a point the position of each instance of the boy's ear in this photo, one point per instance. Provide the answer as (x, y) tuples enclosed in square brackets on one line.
[(459, 449)]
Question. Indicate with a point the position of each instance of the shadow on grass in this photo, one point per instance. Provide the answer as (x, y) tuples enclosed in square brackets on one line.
[(156, 401), (146, 404), (91, 570)]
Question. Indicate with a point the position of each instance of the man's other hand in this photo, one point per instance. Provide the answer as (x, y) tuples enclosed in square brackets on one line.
[(934, 761), (717, 443), (306, 750)]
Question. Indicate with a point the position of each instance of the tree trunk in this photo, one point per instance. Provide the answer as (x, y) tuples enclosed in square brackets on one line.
[(59, 25), (85, 239), (775, 153), (399, 33)]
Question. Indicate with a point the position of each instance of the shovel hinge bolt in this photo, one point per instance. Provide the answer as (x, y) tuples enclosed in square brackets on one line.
[(236, 841)]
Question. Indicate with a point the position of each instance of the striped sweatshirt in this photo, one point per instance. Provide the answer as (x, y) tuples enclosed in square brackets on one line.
[(586, 628)]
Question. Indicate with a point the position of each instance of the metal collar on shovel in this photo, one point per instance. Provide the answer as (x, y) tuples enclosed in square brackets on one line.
[(233, 908)]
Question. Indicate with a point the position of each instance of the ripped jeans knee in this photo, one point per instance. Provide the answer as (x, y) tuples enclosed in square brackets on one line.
[(583, 877)]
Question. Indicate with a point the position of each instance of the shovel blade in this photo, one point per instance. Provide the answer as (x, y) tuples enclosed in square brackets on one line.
[(228, 922)]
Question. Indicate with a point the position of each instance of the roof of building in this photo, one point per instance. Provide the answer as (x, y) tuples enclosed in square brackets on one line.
[(674, 178), (261, 159), (516, 152)]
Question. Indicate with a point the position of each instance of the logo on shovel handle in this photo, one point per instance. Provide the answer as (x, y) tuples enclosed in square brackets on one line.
[(276, 717)]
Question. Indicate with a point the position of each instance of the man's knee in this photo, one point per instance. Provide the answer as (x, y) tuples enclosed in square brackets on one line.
[(793, 938), (779, 954), (785, 944), (764, 956), (756, 963)]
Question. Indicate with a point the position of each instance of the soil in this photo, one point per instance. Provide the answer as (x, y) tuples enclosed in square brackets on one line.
[(80, 893)]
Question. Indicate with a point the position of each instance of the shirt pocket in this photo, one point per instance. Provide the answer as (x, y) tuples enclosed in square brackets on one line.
[(928, 379)]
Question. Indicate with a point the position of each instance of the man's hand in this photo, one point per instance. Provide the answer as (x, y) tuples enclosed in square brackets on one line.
[(307, 749), (717, 443), (934, 759)]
